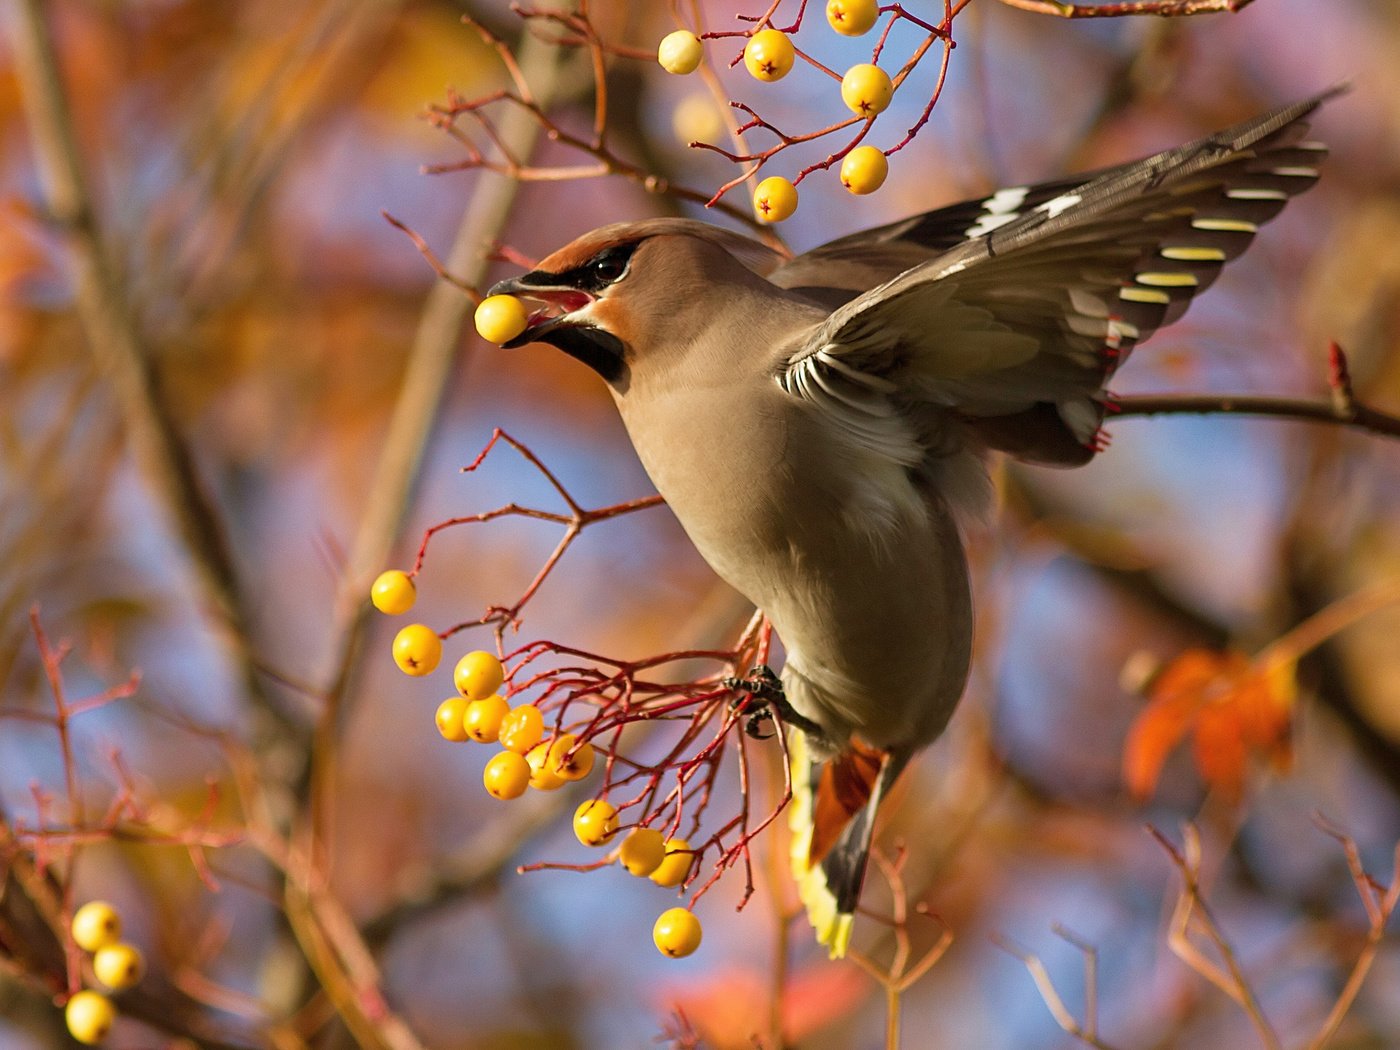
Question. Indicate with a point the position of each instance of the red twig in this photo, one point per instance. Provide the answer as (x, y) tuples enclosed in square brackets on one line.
[(575, 521)]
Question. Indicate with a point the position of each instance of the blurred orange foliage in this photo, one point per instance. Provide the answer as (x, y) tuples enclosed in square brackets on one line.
[(1231, 705)]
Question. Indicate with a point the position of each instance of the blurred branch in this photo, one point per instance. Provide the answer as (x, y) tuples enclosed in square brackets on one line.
[(237, 151), (1087, 1032), (1191, 904), (1380, 903), (1164, 8), (117, 346), (899, 976), (426, 378), (477, 865)]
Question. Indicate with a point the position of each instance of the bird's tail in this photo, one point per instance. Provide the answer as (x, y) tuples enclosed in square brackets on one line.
[(832, 817)]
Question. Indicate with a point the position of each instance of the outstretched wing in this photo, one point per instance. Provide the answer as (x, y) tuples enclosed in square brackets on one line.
[(1017, 329), (838, 271)]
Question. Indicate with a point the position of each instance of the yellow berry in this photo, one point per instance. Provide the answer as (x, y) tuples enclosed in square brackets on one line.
[(676, 933), (675, 866), (500, 318), (542, 775), (864, 170), (482, 721), (451, 719), (521, 728), (768, 55), (866, 89), (417, 650), (393, 592), (89, 1016), (96, 925), (775, 199), (506, 776), (595, 822), (478, 675), (680, 52), (852, 17), (118, 966), (696, 119), (571, 767), (642, 852)]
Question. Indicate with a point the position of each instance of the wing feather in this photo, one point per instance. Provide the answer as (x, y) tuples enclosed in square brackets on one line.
[(1040, 293)]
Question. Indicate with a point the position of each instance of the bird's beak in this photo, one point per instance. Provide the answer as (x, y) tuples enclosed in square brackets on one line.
[(563, 320), (557, 304)]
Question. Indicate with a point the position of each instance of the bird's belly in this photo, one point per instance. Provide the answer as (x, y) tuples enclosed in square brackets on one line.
[(863, 577), (878, 640)]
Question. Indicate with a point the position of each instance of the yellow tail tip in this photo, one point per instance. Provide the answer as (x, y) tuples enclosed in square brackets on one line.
[(833, 927)]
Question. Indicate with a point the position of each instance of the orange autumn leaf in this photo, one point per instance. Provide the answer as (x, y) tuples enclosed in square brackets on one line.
[(1231, 706)]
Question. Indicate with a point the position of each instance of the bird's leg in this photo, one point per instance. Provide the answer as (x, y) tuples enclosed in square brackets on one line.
[(762, 695)]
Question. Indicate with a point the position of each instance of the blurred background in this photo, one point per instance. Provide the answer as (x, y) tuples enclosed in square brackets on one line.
[(238, 158)]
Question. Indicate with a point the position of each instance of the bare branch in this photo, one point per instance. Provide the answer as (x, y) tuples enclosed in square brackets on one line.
[(1163, 8)]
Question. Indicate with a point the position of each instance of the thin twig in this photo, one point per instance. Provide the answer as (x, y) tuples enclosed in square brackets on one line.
[(1045, 985), (1191, 904), (1380, 903)]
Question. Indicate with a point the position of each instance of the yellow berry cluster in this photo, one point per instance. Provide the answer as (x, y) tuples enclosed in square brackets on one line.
[(417, 648), (866, 89), (97, 928), (479, 713), (527, 760), (482, 715), (647, 854)]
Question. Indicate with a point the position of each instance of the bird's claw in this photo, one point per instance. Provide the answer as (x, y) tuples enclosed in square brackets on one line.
[(758, 695)]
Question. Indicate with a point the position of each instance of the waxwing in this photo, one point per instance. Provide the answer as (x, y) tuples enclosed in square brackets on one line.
[(819, 424)]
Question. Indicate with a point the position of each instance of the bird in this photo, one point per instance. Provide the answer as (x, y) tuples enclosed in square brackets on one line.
[(821, 425)]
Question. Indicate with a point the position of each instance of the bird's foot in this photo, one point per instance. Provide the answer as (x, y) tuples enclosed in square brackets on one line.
[(761, 694)]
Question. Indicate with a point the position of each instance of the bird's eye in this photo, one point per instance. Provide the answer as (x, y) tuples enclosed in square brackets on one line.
[(608, 267)]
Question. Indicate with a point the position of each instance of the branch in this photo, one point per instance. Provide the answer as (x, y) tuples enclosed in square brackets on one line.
[(1087, 1032), (426, 378), (118, 348), (1164, 8), (1380, 903), (1357, 416), (1191, 903)]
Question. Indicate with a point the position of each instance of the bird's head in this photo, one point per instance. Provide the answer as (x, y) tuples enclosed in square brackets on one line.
[(612, 297)]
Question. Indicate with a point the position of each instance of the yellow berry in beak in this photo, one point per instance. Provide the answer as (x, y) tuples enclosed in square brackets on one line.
[(500, 318)]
